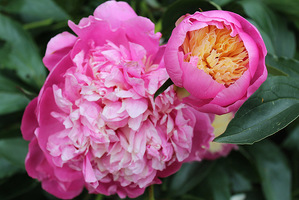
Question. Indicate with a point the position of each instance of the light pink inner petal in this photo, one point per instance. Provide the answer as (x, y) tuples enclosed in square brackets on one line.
[(136, 107)]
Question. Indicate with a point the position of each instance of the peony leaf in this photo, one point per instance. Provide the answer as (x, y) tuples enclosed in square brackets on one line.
[(180, 8), (272, 166), (11, 98), (35, 10), (21, 53), (17, 186), (187, 178), (218, 182), (216, 185), (291, 142), (163, 87), (271, 108), (7, 169), (14, 150), (275, 26), (287, 66)]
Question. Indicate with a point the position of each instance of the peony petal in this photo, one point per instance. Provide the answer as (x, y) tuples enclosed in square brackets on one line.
[(199, 84), (135, 107), (88, 172), (234, 92), (58, 47), (115, 13), (29, 121), (203, 135)]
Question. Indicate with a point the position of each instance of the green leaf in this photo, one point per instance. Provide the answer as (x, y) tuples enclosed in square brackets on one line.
[(7, 169), (22, 54), (180, 8), (222, 2), (241, 172), (188, 177), (275, 26), (18, 186), (274, 171), (164, 87), (35, 10), (10, 125), (291, 142), (11, 102), (11, 98), (287, 66), (216, 185), (14, 150), (219, 183), (286, 6), (271, 108)]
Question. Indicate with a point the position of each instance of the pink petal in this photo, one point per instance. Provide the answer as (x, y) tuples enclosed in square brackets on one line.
[(29, 121), (88, 172), (57, 48), (234, 92), (114, 12), (199, 84), (135, 107)]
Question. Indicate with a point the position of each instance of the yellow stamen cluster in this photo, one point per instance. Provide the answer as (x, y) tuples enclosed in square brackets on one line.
[(220, 55)]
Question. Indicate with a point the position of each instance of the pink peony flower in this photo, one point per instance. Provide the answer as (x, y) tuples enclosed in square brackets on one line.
[(218, 57), (95, 123)]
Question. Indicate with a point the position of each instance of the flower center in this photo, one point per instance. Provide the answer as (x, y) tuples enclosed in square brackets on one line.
[(220, 55)]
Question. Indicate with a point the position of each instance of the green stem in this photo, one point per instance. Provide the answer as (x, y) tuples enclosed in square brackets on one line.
[(99, 197), (215, 5), (151, 195)]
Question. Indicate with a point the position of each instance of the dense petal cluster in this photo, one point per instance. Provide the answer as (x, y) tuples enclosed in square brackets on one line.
[(218, 57), (95, 123)]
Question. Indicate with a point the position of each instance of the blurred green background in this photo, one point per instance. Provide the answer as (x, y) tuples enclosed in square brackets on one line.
[(266, 170)]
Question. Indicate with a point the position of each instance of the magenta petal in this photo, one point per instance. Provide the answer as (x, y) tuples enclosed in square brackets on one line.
[(38, 167), (63, 190), (57, 48), (203, 134), (33, 159), (173, 168), (141, 31), (173, 58), (234, 92), (115, 13), (48, 124), (29, 121), (252, 31), (199, 84)]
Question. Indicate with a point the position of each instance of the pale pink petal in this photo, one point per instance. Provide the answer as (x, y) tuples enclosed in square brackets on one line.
[(88, 173), (135, 107)]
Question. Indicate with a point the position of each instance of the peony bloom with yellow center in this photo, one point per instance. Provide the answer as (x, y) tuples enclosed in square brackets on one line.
[(216, 59)]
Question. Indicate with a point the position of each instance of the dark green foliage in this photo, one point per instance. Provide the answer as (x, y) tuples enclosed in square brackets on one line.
[(268, 169)]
